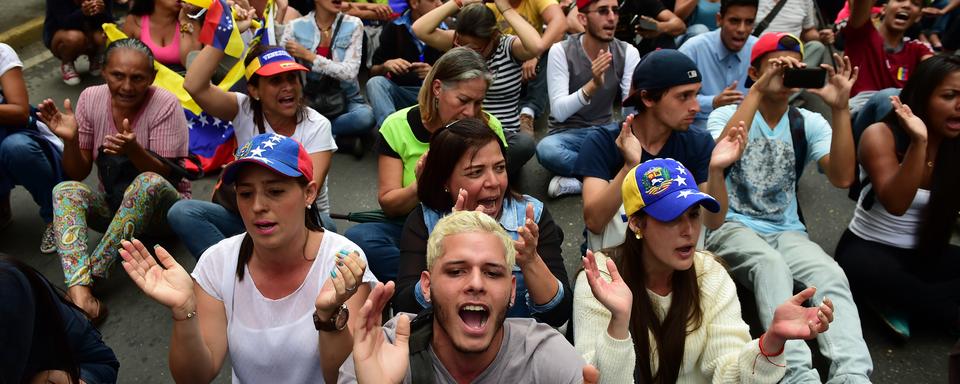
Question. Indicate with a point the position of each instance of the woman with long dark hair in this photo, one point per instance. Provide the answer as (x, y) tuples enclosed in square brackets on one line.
[(45, 337), (252, 295), (273, 104), (896, 251), (672, 314), (452, 90), (466, 169)]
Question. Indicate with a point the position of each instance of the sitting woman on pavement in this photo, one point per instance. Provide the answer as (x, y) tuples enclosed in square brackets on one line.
[(676, 300), (274, 104), (163, 26), (504, 54), (253, 294), (466, 169), (896, 251), (134, 132), (453, 89)]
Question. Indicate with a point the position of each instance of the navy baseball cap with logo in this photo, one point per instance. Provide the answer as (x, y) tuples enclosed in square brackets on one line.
[(663, 189), (663, 68), (278, 153)]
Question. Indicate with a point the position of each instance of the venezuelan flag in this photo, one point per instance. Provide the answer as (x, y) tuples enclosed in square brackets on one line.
[(219, 28)]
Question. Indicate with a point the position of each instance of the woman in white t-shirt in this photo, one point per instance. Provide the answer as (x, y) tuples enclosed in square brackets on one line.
[(273, 103), (264, 295)]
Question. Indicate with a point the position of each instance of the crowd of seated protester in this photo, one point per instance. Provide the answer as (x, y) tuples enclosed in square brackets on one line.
[(683, 126)]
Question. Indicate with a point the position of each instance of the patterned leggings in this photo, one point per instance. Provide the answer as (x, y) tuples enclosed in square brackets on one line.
[(144, 208)]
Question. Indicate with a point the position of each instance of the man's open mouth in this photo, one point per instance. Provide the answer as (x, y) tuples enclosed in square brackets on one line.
[(474, 316)]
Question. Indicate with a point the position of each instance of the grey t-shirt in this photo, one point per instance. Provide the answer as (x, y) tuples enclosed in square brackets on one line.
[(796, 16), (530, 352)]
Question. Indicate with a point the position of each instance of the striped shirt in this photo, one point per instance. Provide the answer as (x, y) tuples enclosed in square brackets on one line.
[(503, 96), (160, 125)]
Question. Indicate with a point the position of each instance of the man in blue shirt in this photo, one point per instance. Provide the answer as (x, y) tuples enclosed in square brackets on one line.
[(723, 56)]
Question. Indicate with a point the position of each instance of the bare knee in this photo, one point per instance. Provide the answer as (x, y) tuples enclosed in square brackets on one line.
[(67, 44)]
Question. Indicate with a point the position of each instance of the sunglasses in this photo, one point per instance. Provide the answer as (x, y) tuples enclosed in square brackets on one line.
[(604, 11)]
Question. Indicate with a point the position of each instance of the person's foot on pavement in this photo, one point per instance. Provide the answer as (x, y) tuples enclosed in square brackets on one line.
[(561, 186), (69, 74), (48, 243), (526, 124), (6, 214), (896, 321)]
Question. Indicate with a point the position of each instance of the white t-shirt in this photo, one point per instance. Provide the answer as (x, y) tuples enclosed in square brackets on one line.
[(313, 132), (270, 340), (9, 60)]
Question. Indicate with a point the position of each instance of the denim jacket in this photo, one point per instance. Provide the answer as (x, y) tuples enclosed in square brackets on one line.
[(514, 213), (345, 50)]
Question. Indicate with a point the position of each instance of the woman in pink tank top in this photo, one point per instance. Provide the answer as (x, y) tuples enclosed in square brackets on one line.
[(163, 26)]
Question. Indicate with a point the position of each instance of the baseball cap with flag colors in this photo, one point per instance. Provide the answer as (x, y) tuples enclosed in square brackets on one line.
[(271, 62), (775, 42), (663, 189), (279, 153)]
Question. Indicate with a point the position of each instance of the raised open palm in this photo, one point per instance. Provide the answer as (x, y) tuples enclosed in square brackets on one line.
[(836, 92), (167, 283), (63, 124), (729, 148), (615, 295), (792, 320), (913, 124), (375, 359)]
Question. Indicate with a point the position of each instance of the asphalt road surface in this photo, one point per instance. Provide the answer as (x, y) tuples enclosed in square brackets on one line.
[(138, 329)]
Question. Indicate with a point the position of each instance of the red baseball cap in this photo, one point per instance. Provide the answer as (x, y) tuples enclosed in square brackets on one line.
[(774, 42), (581, 4), (273, 61)]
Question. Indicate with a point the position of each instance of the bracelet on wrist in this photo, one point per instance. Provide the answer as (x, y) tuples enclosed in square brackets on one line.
[(767, 354), (189, 316)]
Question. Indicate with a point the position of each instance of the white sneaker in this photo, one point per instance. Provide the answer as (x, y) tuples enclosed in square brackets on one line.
[(560, 186), (69, 73)]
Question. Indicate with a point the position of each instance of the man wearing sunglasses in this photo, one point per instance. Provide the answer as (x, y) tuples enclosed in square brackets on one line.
[(586, 74), (763, 238)]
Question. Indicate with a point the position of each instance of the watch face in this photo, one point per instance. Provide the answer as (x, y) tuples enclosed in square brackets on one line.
[(342, 316)]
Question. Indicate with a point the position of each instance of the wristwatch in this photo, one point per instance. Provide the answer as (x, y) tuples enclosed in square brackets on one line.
[(337, 322)]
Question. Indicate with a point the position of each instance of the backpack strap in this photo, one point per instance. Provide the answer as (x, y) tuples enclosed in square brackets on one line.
[(421, 331), (799, 136), (763, 24)]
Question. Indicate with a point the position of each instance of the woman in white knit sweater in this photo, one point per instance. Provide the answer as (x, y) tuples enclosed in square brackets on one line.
[(685, 322)]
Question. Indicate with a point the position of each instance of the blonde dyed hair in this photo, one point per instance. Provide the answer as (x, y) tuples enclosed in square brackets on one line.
[(467, 222), (457, 65)]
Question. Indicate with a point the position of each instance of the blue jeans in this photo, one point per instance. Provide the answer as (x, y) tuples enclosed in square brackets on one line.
[(768, 264), (533, 95), (356, 121), (875, 109), (201, 224), (380, 242), (24, 162), (387, 97), (558, 151)]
